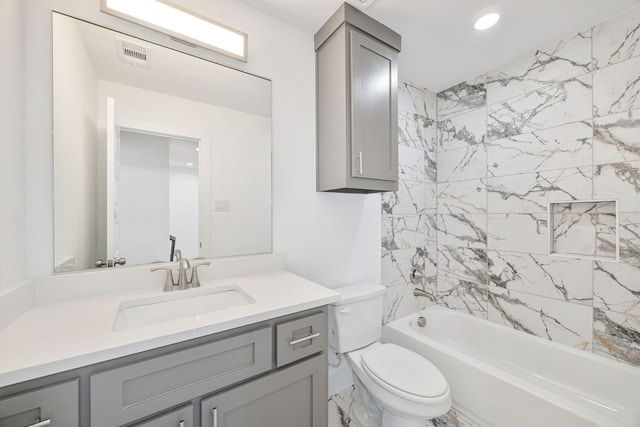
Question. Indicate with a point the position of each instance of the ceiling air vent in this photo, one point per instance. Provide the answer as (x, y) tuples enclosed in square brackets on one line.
[(361, 4), (133, 53)]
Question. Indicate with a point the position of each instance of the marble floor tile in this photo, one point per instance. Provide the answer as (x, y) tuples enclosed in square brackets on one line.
[(616, 88), (615, 335), (617, 39), (564, 279), (462, 130), (462, 230), (556, 62), (340, 408), (462, 197), (532, 192), (454, 418), (616, 287), (462, 164), (616, 138), (558, 321), (549, 106), (560, 147), (525, 233)]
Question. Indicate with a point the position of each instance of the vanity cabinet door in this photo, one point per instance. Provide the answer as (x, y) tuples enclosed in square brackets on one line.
[(291, 397), (53, 406), (182, 417)]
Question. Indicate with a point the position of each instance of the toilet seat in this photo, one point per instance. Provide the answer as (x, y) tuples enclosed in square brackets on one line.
[(405, 373)]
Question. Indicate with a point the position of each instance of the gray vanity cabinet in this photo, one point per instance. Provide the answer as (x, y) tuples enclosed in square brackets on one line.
[(292, 397), (356, 104), (53, 406)]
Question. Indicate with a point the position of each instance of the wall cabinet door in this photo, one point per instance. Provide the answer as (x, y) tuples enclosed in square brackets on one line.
[(54, 406), (374, 108), (291, 397)]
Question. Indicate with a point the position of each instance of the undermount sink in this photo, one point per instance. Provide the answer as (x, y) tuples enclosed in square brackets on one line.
[(178, 305)]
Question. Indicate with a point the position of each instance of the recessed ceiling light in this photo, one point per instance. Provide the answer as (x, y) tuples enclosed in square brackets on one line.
[(486, 18)]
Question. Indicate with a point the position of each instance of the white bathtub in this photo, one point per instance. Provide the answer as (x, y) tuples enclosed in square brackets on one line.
[(505, 378)]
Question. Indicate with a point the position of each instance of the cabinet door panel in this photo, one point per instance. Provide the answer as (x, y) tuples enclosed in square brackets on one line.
[(57, 403), (374, 105), (292, 397)]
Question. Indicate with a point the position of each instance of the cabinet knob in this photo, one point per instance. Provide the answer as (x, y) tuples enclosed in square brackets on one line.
[(39, 423)]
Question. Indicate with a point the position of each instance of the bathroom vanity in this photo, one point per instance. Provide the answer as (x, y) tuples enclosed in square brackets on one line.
[(259, 363)]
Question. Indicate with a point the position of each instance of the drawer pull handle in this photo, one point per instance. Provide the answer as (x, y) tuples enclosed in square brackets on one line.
[(40, 423), (214, 417), (181, 423), (303, 339)]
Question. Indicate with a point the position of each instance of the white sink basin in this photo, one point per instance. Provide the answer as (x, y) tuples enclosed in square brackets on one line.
[(178, 305)]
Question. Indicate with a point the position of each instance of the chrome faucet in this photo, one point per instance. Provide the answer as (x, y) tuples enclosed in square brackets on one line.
[(417, 292), (183, 282)]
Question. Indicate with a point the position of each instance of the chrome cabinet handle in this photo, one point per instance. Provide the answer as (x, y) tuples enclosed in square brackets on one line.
[(40, 423), (214, 417), (181, 424), (359, 156), (303, 339)]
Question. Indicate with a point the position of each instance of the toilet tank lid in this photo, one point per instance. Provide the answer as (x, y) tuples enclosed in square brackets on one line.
[(358, 292)]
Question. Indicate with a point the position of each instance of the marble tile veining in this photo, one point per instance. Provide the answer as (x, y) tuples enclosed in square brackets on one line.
[(525, 233), (464, 96), (616, 138), (411, 164), (462, 164), (462, 230), (617, 39), (396, 264), (616, 88), (618, 181), (560, 147), (558, 321), (463, 197), (408, 200), (403, 232), (630, 237), (617, 336), (616, 287), (462, 130), (559, 61), (416, 117), (549, 106), (563, 279), (531, 192)]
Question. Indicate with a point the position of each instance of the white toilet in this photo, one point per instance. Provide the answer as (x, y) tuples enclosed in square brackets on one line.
[(404, 385)]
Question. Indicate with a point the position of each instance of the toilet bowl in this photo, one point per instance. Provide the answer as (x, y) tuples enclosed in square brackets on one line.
[(405, 386)]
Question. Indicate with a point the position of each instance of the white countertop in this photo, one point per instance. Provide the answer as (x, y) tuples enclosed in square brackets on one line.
[(57, 334)]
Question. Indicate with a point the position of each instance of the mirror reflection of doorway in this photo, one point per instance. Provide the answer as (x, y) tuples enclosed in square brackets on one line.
[(157, 196)]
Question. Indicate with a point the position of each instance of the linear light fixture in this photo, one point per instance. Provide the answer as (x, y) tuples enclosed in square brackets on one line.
[(180, 23)]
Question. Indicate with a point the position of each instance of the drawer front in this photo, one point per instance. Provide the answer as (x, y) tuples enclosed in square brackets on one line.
[(300, 338), (135, 391), (57, 404), (182, 417)]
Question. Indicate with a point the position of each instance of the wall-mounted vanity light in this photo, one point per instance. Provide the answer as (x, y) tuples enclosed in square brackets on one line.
[(181, 24)]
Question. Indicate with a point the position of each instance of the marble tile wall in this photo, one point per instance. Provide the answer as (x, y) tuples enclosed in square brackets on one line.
[(560, 124), (409, 214)]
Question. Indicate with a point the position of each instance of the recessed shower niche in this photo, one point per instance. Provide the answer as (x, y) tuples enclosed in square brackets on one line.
[(584, 229)]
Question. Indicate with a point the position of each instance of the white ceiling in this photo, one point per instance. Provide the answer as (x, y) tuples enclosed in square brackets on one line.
[(439, 46)]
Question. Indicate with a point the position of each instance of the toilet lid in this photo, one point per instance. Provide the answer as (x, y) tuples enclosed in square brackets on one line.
[(397, 367)]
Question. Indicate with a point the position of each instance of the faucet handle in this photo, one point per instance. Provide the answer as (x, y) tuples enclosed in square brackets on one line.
[(195, 280), (168, 280)]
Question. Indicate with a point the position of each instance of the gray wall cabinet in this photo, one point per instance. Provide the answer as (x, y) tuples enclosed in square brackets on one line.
[(274, 370), (356, 104)]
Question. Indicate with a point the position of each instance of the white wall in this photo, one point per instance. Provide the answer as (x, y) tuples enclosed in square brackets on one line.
[(11, 145), (329, 238), (183, 209), (75, 201)]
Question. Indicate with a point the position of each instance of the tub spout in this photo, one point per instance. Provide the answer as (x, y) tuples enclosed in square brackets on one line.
[(417, 292)]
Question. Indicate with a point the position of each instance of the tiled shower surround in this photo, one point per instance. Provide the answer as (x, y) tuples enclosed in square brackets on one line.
[(481, 161)]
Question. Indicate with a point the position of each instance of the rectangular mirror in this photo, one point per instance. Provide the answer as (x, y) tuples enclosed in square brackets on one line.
[(154, 151)]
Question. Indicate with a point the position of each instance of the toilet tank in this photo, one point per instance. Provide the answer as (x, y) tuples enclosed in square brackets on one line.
[(356, 320)]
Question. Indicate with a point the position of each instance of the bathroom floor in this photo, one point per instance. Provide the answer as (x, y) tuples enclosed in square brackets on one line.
[(340, 413)]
